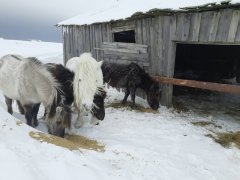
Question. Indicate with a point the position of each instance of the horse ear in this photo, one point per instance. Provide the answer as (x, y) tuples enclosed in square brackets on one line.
[(59, 109), (100, 63)]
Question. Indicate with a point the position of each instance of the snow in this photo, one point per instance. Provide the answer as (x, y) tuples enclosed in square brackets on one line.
[(163, 145), (121, 9)]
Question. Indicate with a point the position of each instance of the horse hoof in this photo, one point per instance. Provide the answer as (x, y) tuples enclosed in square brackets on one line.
[(132, 106), (124, 102), (78, 125), (35, 123)]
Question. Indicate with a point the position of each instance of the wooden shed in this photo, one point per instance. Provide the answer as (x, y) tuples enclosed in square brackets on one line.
[(152, 38)]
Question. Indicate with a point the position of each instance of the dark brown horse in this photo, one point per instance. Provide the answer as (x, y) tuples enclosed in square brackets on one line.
[(131, 77)]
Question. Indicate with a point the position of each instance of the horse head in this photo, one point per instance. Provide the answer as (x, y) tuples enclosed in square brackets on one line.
[(88, 80), (59, 121), (154, 95), (98, 109)]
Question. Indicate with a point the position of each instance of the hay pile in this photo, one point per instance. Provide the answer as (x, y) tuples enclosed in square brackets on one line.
[(206, 123), (137, 107), (227, 139), (71, 142)]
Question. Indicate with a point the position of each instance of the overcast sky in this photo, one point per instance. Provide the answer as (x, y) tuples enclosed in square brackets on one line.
[(35, 19)]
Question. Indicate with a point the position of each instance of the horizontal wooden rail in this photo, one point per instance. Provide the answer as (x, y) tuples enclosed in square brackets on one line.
[(227, 88)]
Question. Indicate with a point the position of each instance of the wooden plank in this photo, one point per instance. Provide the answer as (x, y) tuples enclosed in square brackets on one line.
[(172, 47), (152, 58), (149, 28), (166, 92), (123, 28), (81, 40), (144, 31), (224, 24), (141, 57), (138, 31), (159, 46), (214, 26), (227, 88), (186, 26), (183, 26), (195, 26), (125, 47), (121, 44), (205, 26), (96, 40), (171, 58), (233, 26), (134, 49), (126, 50), (180, 27), (237, 38), (130, 25), (64, 46), (110, 35)]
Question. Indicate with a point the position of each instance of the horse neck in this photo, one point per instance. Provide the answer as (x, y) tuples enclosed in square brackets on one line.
[(65, 77), (146, 82)]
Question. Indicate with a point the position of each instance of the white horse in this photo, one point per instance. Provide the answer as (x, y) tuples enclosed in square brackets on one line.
[(28, 81), (88, 80)]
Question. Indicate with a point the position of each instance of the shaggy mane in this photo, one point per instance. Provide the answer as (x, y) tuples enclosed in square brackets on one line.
[(88, 68)]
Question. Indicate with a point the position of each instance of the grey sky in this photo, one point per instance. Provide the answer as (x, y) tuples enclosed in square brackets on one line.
[(35, 19)]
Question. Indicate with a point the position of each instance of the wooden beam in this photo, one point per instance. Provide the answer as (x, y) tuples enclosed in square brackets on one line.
[(227, 88)]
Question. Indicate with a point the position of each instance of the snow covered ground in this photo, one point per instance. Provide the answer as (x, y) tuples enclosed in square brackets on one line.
[(162, 146)]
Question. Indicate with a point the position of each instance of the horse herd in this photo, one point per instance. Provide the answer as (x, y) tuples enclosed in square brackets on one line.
[(77, 87)]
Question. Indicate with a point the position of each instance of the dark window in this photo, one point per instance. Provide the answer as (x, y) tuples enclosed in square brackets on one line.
[(125, 36)]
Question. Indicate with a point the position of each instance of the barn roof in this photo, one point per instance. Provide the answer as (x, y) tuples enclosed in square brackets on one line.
[(133, 9)]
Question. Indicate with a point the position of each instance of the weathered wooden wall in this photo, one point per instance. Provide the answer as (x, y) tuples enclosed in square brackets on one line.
[(79, 39), (160, 34)]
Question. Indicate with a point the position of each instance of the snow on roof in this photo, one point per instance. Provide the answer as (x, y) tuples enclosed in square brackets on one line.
[(121, 9)]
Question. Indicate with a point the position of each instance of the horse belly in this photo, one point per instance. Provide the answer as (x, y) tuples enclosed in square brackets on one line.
[(8, 85), (119, 83)]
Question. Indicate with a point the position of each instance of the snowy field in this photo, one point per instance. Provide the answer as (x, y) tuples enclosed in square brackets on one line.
[(140, 146)]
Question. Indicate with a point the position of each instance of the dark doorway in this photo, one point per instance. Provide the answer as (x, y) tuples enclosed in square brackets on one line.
[(209, 63), (125, 36)]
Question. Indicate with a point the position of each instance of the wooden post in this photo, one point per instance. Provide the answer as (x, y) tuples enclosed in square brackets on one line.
[(227, 88)]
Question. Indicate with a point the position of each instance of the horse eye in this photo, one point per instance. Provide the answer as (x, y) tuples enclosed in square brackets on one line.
[(79, 80), (96, 80)]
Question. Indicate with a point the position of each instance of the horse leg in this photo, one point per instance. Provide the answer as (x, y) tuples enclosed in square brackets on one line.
[(20, 108), (133, 95), (44, 115), (9, 105), (79, 122), (127, 92), (28, 114), (35, 112)]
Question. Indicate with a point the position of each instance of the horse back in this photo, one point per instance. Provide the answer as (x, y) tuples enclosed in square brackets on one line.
[(120, 75)]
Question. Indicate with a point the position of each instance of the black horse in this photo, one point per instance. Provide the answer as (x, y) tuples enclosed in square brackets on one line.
[(131, 77)]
